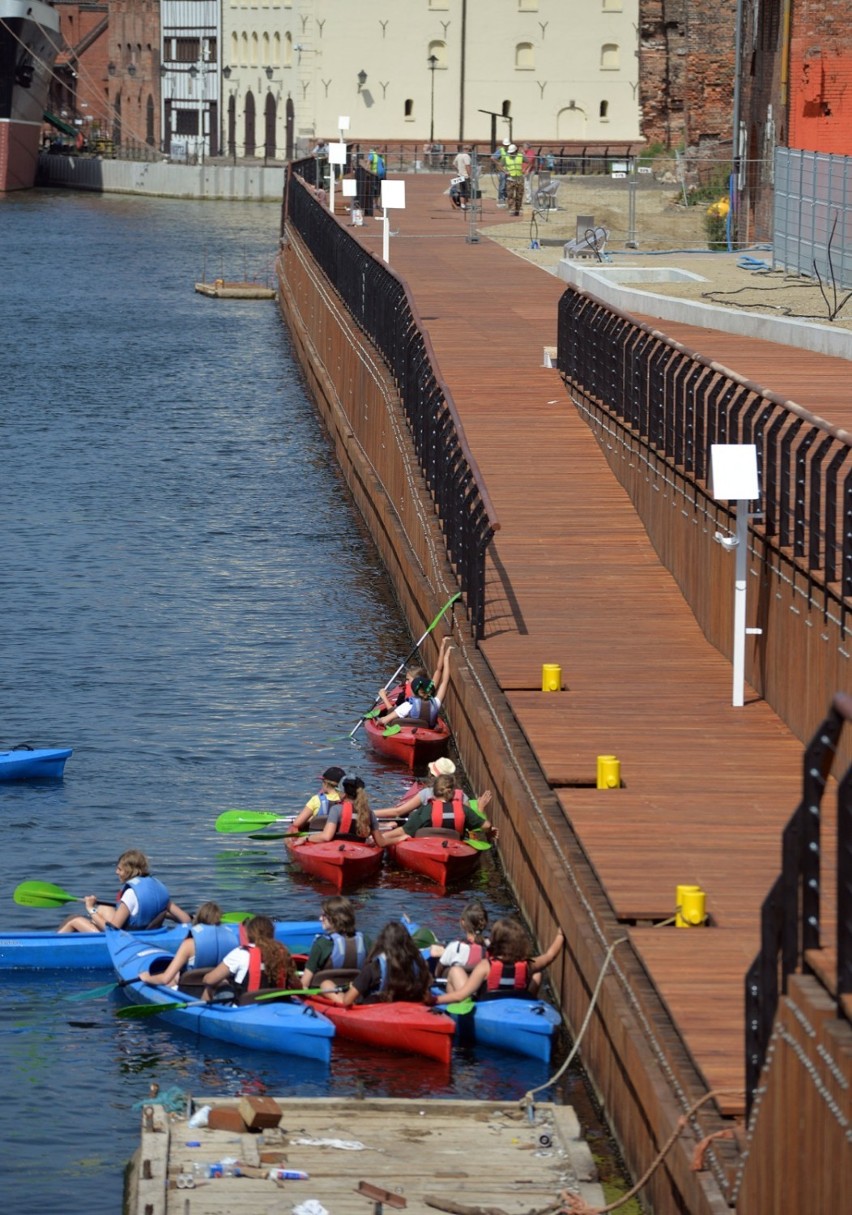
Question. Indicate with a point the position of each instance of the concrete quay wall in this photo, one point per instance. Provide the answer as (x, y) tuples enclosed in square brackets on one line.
[(638, 1065), (222, 182)]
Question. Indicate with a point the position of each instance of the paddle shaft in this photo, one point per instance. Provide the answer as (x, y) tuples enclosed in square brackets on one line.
[(454, 599), (150, 1010)]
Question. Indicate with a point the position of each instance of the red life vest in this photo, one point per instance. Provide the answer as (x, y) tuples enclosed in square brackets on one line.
[(508, 977), (255, 969), (346, 825), (449, 816)]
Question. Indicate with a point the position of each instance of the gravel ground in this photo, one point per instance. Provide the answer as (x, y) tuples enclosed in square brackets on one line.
[(665, 232)]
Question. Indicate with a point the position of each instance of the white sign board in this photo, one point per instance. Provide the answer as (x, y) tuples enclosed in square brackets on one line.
[(343, 123), (350, 187), (337, 153), (393, 195), (734, 471)]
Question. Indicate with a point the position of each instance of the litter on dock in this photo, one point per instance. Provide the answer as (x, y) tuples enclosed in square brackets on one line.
[(224, 290), (344, 1156)]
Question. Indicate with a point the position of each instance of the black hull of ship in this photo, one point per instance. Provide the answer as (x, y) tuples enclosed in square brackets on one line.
[(29, 40)]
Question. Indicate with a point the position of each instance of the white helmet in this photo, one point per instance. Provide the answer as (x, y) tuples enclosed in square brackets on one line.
[(505, 143), (512, 149)]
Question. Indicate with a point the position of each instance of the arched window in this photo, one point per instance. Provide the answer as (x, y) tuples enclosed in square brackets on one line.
[(265, 49), (524, 57), (149, 121), (254, 49), (269, 144), (439, 50), (249, 126), (603, 111), (288, 49), (276, 49), (409, 110), (235, 48), (609, 57), (244, 50)]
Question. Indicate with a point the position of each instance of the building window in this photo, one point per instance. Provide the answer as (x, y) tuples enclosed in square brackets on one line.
[(409, 110), (288, 49), (439, 50), (609, 57), (254, 50), (524, 57), (527, 6), (439, 4), (613, 6), (603, 111), (265, 50), (276, 49), (235, 48)]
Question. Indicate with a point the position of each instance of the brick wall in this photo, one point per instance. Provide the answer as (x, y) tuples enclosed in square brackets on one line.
[(820, 106)]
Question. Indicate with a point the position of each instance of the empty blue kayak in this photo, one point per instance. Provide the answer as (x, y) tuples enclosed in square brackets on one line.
[(287, 1027), (522, 1026), (25, 763), (88, 950)]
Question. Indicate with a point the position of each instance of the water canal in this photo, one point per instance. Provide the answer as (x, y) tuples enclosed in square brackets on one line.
[(190, 601)]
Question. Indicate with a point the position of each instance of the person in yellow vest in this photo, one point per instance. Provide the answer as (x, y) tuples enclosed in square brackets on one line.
[(514, 162)]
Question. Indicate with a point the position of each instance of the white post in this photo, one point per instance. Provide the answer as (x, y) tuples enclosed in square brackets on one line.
[(740, 575), (385, 236), (331, 188), (202, 67)]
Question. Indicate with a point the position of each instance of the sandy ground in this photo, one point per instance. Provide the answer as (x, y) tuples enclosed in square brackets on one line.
[(664, 231)]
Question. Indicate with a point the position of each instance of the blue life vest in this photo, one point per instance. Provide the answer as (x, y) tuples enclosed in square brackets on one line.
[(153, 900), (212, 942), (347, 953), (418, 707)]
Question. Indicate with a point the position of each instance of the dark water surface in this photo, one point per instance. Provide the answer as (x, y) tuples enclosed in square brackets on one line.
[(189, 600)]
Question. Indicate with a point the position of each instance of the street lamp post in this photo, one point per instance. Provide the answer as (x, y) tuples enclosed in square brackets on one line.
[(433, 63)]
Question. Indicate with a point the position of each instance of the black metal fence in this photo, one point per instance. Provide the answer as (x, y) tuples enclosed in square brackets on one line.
[(379, 304), (680, 403), (790, 916)]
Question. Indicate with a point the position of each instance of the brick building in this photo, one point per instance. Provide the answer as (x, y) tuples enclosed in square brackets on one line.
[(79, 93)]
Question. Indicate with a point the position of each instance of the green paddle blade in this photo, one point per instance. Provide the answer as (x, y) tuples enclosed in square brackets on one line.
[(94, 993), (373, 713), (292, 991), (423, 937), (236, 822), (391, 730), (479, 845), (235, 917), (269, 835), (460, 1009), (42, 894), (133, 1011)]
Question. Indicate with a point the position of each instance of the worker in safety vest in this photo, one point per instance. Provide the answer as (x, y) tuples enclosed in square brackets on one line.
[(514, 161)]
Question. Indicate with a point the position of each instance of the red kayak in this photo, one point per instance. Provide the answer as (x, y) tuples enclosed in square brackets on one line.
[(341, 863), (400, 1026), (437, 857), (414, 746)]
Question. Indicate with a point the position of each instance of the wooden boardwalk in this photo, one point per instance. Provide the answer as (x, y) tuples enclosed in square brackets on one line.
[(573, 580)]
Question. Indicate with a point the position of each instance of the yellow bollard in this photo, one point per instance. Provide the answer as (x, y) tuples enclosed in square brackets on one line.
[(551, 677), (609, 772), (690, 906)]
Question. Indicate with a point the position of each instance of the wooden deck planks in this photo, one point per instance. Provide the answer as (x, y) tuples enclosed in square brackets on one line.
[(573, 579)]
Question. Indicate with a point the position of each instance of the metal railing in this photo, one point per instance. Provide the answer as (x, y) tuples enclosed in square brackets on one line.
[(380, 305), (790, 916), (678, 403)]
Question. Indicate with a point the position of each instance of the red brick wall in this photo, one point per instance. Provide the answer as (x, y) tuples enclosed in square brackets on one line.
[(85, 94), (820, 104)]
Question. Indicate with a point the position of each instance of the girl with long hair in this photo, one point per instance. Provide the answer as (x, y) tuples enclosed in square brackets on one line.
[(262, 963), (509, 969), (394, 971)]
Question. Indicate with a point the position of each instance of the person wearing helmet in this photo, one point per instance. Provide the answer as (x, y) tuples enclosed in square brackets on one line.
[(498, 156), (514, 161), (424, 703)]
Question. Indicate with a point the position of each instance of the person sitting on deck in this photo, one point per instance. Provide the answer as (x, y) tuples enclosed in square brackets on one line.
[(394, 970), (422, 707), (508, 970), (317, 807), (422, 797), (448, 812), (352, 818), (142, 902), (261, 963), (470, 951), (339, 951), (205, 946)]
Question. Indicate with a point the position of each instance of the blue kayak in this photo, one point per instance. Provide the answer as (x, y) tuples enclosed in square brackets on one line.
[(287, 1027), (24, 763), (88, 950), (521, 1025)]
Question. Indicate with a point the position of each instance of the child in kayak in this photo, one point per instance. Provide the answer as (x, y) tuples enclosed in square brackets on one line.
[(422, 797), (340, 950), (470, 951), (318, 806), (262, 963), (394, 970), (509, 968), (205, 947), (446, 809), (424, 704), (352, 818), (142, 902)]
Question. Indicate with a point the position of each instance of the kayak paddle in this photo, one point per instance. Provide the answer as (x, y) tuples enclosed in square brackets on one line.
[(453, 599), (133, 1011), (479, 845), (238, 822), (458, 1010), (43, 894)]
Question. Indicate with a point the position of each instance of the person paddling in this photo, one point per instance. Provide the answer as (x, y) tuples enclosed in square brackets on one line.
[(352, 818), (340, 950), (394, 970), (508, 970), (443, 766), (206, 945), (142, 902), (261, 963), (424, 704), (472, 949), (447, 810), (317, 807)]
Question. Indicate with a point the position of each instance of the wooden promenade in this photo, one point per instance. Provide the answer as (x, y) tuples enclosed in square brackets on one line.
[(574, 580)]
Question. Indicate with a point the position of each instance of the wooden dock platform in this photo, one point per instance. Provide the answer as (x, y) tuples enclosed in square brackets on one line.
[(573, 579), (462, 1157)]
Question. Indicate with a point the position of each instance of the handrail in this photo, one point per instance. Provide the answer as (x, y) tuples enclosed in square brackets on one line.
[(790, 915), (678, 403), (382, 306)]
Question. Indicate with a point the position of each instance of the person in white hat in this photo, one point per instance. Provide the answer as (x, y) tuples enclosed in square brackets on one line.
[(514, 161), (442, 767)]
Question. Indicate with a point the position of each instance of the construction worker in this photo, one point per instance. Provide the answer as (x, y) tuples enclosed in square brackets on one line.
[(514, 161), (499, 158)]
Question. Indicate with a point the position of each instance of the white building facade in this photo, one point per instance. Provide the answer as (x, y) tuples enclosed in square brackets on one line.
[(426, 71)]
